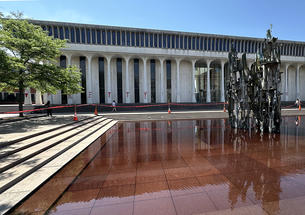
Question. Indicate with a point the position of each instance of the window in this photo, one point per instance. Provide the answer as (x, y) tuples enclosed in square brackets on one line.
[(61, 33), (164, 41), (205, 44), (197, 43), (177, 42), (77, 35), (160, 40), (181, 42), (118, 37), (136, 81), (123, 38), (98, 32), (142, 39), (93, 36), (146, 39), (168, 41), (189, 42), (185, 42), (119, 80), (201, 43), (72, 35), (151, 40), (55, 32), (108, 37), (193, 43), (216, 44), (43, 28), (173, 41), (209, 44), (82, 66), (220, 45), (67, 35), (83, 35), (50, 31), (155, 40), (113, 38), (128, 38), (137, 39), (132, 39), (104, 37), (88, 36), (213, 44), (101, 70)]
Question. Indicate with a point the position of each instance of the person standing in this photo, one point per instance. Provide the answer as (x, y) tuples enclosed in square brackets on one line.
[(113, 106), (49, 111)]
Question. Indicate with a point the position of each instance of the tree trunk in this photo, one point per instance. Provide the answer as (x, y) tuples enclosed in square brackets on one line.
[(20, 97)]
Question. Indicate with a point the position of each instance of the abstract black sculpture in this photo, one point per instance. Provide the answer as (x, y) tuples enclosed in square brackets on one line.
[(253, 95)]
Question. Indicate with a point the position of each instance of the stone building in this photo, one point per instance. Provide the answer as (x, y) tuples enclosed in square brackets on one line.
[(131, 65)]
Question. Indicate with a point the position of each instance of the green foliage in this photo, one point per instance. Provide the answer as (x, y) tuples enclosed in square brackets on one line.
[(29, 58)]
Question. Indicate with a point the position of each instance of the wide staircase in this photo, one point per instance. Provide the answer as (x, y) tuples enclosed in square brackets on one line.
[(26, 162)]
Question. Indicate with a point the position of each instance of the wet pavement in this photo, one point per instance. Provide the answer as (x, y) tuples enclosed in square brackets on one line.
[(181, 167)]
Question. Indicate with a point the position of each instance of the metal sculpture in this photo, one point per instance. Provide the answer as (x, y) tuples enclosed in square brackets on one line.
[(253, 95)]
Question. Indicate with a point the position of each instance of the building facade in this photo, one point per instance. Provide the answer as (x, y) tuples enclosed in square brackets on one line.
[(132, 65)]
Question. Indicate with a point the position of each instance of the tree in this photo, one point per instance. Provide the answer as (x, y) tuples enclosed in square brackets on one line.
[(28, 59)]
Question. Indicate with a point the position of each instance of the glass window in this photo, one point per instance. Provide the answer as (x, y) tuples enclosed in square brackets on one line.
[(164, 41), (189, 42), (88, 36), (193, 43), (113, 38), (118, 37), (220, 45), (128, 38), (197, 43), (137, 39), (151, 40), (93, 36), (123, 38), (43, 28), (146, 39), (67, 34), (177, 42), (205, 43), (160, 40), (132, 39), (98, 32), (142, 39), (209, 44), (228, 45), (213, 40), (104, 37), (201, 43), (119, 80), (153, 81), (155, 40), (181, 41), (101, 71), (50, 31), (82, 66), (173, 41), (55, 32), (216, 44), (185, 42), (83, 35), (168, 41), (168, 80), (77, 35), (61, 33), (136, 81), (72, 35), (108, 37)]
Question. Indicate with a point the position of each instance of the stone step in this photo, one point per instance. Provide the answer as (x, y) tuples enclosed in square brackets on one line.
[(23, 137), (36, 139), (15, 174), (29, 152), (19, 191)]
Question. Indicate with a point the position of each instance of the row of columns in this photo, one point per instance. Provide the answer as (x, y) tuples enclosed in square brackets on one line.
[(161, 60)]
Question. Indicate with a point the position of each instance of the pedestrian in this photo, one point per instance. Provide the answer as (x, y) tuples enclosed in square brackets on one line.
[(49, 111), (113, 106)]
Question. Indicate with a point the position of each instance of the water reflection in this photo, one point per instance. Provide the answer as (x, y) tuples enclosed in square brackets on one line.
[(192, 166)]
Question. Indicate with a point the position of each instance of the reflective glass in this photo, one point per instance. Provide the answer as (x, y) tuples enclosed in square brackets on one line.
[(108, 37), (61, 33), (55, 32), (181, 41), (123, 38), (189, 43), (118, 36), (160, 40), (146, 39), (83, 35), (132, 39), (98, 35), (82, 67), (185, 42), (93, 36), (155, 40), (151, 40), (137, 39), (77, 35), (177, 41), (50, 31), (168, 41), (142, 39), (101, 71), (88, 36), (104, 37), (67, 33), (113, 38), (72, 35), (128, 38), (173, 41), (164, 40)]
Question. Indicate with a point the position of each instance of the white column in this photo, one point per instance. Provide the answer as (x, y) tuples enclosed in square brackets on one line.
[(193, 81), (127, 80), (286, 82), (89, 81), (109, 96), (69, 97), (38, 100), (27, 97), (178, 80), (298, 81), (145, 79), (222, 93), (208, 82), (162, 79)]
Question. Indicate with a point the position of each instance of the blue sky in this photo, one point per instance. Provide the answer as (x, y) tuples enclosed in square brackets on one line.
[(228, 17)]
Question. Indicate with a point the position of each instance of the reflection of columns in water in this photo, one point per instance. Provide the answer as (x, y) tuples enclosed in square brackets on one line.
[(222, 135), (208, 82), (222, 97), (209, 134)]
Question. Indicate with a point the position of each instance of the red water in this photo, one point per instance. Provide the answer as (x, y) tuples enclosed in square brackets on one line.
[(182, 167)]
